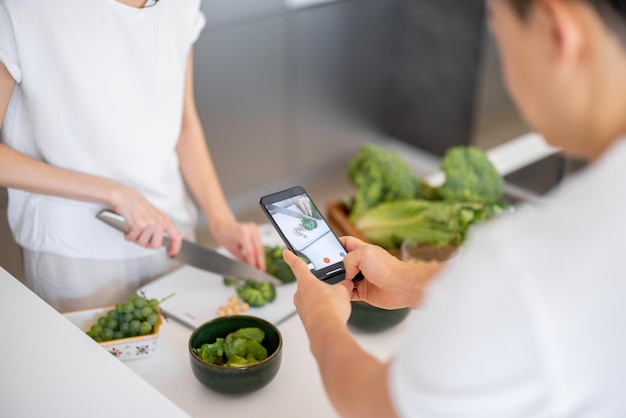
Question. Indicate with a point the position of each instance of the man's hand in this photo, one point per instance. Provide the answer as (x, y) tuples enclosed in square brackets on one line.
[(319, 303), (389, 283)]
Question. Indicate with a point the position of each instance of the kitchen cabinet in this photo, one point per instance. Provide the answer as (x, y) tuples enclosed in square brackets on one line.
[(225, 12), (438, 49), (341, 53), (288, 94), (282, 92), (240, 88)]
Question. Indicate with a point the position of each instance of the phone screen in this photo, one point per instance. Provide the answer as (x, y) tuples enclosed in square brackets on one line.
[(305, 231)]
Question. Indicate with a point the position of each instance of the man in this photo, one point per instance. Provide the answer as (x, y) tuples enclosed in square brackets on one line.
[(529, 321)]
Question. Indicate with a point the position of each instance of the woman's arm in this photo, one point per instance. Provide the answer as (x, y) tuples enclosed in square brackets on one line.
[(19, 171), (241, 239)]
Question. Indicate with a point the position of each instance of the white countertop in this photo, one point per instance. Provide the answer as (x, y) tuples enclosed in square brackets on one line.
[(296, 391), (51, 368)]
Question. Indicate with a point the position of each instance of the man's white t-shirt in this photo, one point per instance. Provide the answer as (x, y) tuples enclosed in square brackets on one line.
[(99, 90), (531, 320)]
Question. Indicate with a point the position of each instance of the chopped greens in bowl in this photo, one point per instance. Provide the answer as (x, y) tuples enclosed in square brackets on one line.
[(235, 354)]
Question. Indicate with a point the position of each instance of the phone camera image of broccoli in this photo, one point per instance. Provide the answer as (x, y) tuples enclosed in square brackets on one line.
[(309, 224)]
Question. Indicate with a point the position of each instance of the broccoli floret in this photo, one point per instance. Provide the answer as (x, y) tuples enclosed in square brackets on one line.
[(256, 294), (231, 281), (378, 176), (276, 266), (470, 176)]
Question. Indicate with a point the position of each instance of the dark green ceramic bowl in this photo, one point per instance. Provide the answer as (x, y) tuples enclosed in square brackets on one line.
[(235, 380), (372, 319)]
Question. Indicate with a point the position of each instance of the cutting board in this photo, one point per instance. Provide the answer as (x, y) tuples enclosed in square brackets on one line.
[(199, 293)]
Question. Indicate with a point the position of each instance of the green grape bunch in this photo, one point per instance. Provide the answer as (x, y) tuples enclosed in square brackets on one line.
[(131, 318)]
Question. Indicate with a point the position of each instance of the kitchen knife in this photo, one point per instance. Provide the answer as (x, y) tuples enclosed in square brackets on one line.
[(199, 256)]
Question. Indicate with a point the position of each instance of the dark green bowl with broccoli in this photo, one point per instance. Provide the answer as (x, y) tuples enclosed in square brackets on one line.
[(242, 379), (366, 317)]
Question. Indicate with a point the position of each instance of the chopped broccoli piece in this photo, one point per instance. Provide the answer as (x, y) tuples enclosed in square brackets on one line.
[(379, 176), (256, 294), (308, 223), (470, 176), (231, 281), (276, 266)]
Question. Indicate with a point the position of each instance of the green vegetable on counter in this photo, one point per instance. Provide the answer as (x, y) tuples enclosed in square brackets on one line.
[(379, 176), (258, 294), (240, 348), (276, 266), (388, 207), (254, 293), (433, 222), (470, 176), (308, 224)]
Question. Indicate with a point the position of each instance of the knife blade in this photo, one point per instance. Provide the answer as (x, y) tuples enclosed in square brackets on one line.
[(198, 256)]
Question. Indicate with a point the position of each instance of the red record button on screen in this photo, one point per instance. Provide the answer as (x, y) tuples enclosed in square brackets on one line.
[(326, 260)]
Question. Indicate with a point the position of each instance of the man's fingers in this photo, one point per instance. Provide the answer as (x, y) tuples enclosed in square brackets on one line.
[(296, 264), (348, 284), (351, 243)]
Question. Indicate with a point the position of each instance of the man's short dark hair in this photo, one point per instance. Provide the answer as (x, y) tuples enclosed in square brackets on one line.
[(613, 12)]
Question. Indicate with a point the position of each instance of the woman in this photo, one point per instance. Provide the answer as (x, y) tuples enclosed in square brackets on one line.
[(97, 111)]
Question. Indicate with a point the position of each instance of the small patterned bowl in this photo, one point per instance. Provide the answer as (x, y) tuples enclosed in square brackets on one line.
[(125, 348)]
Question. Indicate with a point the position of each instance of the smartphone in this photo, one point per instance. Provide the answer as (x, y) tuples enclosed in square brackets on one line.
[(305, 232)]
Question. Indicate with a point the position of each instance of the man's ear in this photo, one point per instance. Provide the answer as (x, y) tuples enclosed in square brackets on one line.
[(563, 28)]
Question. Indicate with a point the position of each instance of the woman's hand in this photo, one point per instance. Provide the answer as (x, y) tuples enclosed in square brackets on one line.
[(303, 204), (147, 223), (389, 283), (240, 239)]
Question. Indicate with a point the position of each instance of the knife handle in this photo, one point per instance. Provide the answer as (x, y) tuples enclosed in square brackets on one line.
[(113, 219), (118, 222)]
